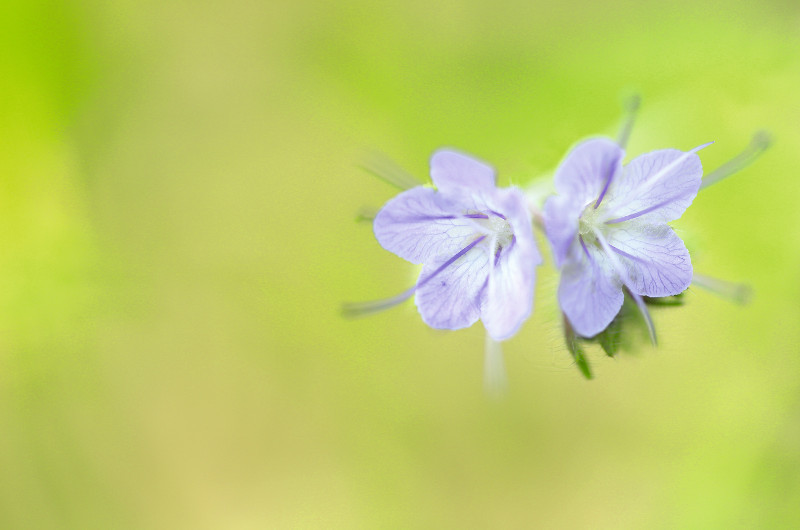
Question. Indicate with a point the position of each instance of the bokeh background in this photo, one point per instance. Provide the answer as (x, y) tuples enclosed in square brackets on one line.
[(179, 184)]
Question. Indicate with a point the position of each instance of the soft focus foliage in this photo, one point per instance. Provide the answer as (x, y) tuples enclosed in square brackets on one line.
[(178, 194)]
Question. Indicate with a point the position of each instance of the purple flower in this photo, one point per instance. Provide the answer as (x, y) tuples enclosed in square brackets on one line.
[(474, 241), (608, 229)]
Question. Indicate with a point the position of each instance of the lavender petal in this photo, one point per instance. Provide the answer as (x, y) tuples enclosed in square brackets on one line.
[(656, 259), (420, 224), (509, 296), (451, 169), (645, 193), (590, 292), (561, 213), (588, 169), (449, 295)]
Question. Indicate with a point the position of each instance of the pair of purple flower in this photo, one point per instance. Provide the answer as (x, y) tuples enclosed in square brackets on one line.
[(607, 227)]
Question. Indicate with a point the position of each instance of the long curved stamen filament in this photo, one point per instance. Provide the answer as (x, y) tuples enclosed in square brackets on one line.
[(631, 109), (495, 381), (736, 292), (760, 142), (359, 309), (385, 169), (629, 284)]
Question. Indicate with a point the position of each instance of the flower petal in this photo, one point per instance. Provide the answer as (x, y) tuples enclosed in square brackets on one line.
[(421, 223), (590, 292), (561, 213), (588, 168), (452, 298), (451, 169), (655, 187), (657, 260), (509, 296)]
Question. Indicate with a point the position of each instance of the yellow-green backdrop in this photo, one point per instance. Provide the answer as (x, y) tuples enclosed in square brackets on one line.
[(179, 185)]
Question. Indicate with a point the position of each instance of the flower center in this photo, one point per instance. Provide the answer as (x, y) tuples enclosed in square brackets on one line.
[(502, 230), (495, 226), (587, 222)]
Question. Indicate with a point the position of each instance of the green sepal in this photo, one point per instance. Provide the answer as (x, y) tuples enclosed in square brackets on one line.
[(574, 347), (610, 339), (675, 300)]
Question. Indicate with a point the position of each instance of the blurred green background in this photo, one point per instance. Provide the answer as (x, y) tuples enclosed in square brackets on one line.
[(178, 190)]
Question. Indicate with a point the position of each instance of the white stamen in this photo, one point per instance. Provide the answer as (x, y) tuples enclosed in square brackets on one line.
[(388, 171), (360, 309), (496, 228), (760, 142), (631, 108), (494, 371), (589, 220), (736, 292)]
